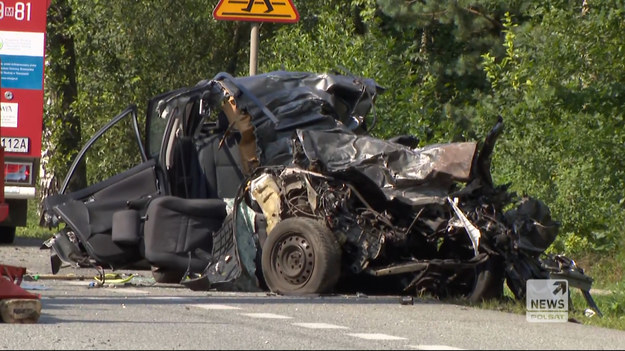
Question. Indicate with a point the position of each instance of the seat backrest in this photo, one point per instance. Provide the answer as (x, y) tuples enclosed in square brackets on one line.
[(206, 158), (229, 174), (186, 173), (221, 166)]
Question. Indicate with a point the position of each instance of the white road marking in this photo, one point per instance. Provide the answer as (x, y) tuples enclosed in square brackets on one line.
[(83, 283), (319, 326), (128, 290), (376, 336), (433, 347), (266, 315), (214, 306)]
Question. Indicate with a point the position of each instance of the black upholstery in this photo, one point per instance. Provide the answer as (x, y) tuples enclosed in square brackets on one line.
[(175, 227), (220, 166), (186, 175), (126, 227), (206, 157), (181, 224)]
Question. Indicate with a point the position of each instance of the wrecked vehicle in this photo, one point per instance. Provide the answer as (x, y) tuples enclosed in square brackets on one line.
[(273, 182)]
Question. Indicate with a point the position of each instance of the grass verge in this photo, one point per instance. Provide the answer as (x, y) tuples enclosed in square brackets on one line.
[(32, 228), (611, 305)]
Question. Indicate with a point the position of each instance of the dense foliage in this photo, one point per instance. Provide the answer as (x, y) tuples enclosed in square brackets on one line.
[(553, 70)]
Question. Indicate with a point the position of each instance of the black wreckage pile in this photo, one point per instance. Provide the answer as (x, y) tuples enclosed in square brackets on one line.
[(285, 190)]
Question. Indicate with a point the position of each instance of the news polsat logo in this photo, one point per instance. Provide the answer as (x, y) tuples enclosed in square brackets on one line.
[(547, 300)]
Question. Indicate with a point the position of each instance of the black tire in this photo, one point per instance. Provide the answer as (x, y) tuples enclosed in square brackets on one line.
[(7, 235), (489, 280), (301, 256), (166, 276)]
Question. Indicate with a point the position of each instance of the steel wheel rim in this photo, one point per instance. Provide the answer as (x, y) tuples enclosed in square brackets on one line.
[(293, 259)]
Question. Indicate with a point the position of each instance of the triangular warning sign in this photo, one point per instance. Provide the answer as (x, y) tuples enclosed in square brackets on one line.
[(256, 11)]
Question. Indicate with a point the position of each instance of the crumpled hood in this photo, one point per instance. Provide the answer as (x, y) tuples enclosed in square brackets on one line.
[(403, 173)]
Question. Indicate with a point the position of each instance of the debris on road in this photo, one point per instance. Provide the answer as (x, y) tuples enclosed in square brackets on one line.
[(16, 304)]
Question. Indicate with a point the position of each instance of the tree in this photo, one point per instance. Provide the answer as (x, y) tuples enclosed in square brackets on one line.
[(62, 129), (448, 39), (565, 135), (104, 56)]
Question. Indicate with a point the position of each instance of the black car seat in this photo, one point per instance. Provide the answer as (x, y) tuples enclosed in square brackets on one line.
[(178, 232), (220, 162), (186, 177), (178, 228)]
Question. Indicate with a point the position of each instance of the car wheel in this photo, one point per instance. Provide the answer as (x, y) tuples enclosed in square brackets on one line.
[(301, 256), (7, 235), (489, 280), (166, 276)]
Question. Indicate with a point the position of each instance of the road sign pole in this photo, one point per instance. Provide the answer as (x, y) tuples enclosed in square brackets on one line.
[(255, 11), (254, 38)]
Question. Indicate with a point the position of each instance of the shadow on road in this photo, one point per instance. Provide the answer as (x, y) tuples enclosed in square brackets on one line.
[(22, 241)]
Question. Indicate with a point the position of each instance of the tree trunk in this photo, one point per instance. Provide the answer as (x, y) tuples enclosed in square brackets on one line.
[(61, 139)]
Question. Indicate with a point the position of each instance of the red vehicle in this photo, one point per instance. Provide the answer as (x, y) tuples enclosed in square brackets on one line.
[(22, 48), (4, 207)]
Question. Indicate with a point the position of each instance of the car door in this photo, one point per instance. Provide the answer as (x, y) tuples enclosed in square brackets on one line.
[(111, 173)]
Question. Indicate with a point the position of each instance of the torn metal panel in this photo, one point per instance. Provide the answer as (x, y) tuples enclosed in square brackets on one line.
[(266, 193), (532, 223), (247, 145), (472, 231), (300, 98), (281, 102), (411, 175)]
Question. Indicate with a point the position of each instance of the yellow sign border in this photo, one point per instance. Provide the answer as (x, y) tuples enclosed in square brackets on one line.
[(282, 11)]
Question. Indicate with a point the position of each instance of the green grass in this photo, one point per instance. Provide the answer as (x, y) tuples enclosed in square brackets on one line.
[(607, 273), (612, 306), (32, 228), (608, 292)]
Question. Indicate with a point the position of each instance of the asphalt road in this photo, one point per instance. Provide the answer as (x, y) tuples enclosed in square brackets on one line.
[(142, 315)]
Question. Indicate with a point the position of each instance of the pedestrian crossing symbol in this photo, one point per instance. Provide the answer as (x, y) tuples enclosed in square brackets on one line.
[(256, 11)]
